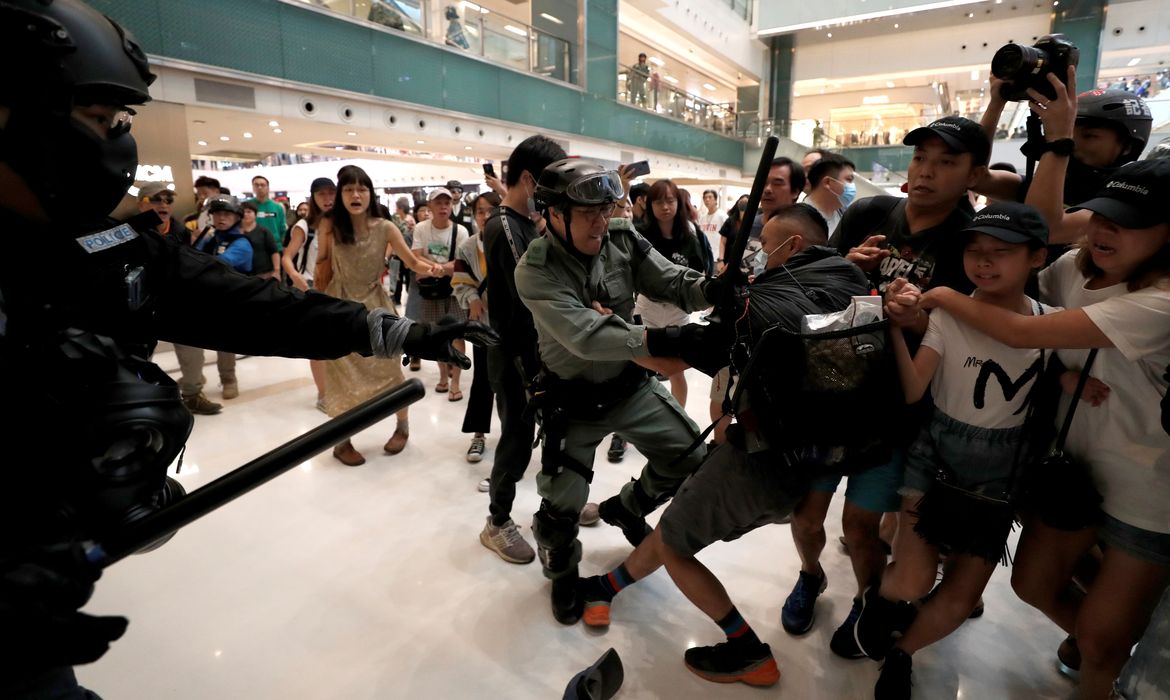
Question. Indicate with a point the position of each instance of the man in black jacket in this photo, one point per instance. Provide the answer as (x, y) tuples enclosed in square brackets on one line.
[(74, 344), (749, 481), (514, 363)]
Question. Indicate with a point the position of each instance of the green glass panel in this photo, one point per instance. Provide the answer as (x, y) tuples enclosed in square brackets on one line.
[(470, 86), (407, 70), (348, 61)]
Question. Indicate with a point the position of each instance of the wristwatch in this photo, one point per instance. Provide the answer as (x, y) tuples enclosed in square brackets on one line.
[(1061, 147)]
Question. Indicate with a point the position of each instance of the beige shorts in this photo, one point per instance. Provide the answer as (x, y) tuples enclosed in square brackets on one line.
[(721, 383)]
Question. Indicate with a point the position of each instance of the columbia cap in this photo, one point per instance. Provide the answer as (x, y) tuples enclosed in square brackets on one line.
[(958, 133), (1010, 222), (598, 682), (1135, 195), (321, 183)]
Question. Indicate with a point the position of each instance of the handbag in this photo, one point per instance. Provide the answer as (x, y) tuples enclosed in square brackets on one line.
[(439, 288), (1060, 490), (956, 519)]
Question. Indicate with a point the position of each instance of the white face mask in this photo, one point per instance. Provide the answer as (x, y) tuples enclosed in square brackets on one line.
[(760, 262), (531, 203)]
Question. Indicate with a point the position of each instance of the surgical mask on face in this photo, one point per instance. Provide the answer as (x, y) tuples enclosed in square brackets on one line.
[(760, 262), (848, 194), (531, 203)]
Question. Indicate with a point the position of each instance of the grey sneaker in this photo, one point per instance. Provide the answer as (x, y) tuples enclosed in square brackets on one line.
[(507, 542), (475, 452)]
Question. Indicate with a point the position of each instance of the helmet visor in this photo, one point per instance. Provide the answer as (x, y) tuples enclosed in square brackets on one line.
[(598, 188)]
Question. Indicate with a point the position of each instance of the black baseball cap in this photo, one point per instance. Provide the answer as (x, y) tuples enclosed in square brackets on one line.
[(1010, 222), (454, 185), (958, 133), (1135, 195), (598, 682), (321, 183)]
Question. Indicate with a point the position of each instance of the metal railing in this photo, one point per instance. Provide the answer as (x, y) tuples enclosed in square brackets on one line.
[(641, 87), (493, 36)]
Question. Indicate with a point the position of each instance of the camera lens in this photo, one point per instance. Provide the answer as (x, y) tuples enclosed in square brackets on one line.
[(1014, 61)]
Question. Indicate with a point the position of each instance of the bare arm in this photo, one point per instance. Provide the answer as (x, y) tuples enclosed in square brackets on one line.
[(915, 372), (275, 274), (1069, 329), (1046, 193), (287, 260), (323, 272), (397, 244)]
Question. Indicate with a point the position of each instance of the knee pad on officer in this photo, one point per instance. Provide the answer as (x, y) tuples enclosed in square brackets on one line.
[(554, 531)]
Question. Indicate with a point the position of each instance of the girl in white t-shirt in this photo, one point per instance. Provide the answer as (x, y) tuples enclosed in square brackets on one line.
[(1116, 288), (300, 258), (975, 441)]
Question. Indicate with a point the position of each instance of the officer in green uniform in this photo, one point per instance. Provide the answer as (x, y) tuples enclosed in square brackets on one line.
[(579, 281)]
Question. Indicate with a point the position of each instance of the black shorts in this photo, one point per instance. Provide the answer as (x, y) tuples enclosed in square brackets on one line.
[(731, 494)]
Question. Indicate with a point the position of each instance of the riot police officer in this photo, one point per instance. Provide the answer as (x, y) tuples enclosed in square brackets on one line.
[(93, 424), (579, 281)]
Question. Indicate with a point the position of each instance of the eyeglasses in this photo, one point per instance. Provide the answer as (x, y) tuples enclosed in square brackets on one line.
[(593, 214)]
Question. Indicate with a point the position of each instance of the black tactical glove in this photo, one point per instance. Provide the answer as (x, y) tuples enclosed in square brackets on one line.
[(707, 348), (433, 342), (39, 616)]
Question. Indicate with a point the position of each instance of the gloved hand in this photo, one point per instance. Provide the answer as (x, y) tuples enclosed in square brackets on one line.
[(433, 342), (707, 348), (39, 616)]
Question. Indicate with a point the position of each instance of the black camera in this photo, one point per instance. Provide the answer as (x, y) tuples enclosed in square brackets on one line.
[(1024, 67)]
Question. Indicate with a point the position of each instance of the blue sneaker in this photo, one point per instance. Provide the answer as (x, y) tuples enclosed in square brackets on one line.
[(800, 607)]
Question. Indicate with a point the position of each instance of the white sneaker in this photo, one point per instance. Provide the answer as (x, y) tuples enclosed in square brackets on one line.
[(507, 542), (485, 486), (475, 452)]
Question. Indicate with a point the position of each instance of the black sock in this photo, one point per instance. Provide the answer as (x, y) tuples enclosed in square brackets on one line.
[(607, 586), (737, 629)]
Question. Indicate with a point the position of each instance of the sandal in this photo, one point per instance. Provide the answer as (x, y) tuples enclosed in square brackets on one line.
[(441, 388), (455, 395), (348, 455), (396, 443)]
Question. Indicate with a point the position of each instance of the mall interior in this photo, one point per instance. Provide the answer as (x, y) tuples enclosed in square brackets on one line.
[(371, 582)]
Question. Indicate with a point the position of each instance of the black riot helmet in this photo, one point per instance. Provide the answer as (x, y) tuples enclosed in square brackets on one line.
[(1122, 111), (573, 181), (63, 54)]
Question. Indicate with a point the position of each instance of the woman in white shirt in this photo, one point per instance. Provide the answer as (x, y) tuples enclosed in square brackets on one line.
[(1116, 292)]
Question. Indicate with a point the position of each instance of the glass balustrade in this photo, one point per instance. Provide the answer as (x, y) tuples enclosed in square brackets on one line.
[(500, 39), (639, 87)]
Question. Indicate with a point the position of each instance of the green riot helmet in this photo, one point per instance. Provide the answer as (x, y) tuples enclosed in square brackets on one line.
[(573, 181)]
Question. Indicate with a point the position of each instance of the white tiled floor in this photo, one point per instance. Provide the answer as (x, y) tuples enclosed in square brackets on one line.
[(370, 582)]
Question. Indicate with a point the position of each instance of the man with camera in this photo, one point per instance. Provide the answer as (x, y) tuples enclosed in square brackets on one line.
[(74, 345), (1112, 128), (579, 280)]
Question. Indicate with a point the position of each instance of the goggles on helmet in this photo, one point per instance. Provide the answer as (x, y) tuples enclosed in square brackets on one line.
[(598, 188)]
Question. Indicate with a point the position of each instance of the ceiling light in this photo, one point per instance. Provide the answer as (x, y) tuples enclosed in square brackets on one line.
[(551, 18), (657, 61), (975, 74), (937, 4), (1133, 62), (278, 131), (830, 35), (247, 134), (896, 25), (351, 133), (709, 86), (420, 142), (273, 123), (225, 138), (515, 30), (889, 83), (201, 143), (671, 79), (467, 148)]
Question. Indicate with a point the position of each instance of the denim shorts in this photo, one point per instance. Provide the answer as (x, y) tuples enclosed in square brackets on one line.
[(874, 489), (974, 459), (1146, 545)]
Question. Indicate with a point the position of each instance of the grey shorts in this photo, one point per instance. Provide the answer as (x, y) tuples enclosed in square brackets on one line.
[(976, 459), (1146, 545), (731, 494)]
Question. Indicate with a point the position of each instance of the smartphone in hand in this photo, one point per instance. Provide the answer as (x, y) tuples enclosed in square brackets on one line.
[(638, 169), (489, 169)]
